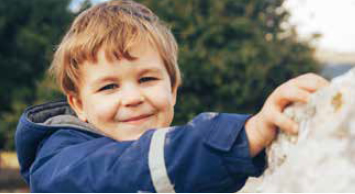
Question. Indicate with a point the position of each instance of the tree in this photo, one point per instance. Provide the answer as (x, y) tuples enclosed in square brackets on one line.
[(29, 31)]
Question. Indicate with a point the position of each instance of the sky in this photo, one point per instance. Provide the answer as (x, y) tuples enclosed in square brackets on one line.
[(75, 4), (334, 19)]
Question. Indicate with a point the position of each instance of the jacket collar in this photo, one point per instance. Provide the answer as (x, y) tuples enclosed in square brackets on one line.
[(57, 114)]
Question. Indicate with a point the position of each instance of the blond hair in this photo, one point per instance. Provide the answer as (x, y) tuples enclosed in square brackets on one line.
[(116, 26)]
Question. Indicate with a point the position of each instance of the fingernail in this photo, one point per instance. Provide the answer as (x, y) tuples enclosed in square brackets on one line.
[(295, 128)]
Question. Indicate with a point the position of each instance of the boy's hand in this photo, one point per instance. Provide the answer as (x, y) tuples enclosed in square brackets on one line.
[(261, 129)]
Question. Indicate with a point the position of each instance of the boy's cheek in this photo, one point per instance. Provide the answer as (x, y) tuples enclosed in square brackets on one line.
[(163, 95), (101, 109), (164, 102)]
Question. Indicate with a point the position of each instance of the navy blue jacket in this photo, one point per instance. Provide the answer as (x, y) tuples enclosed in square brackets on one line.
[(58, 153)]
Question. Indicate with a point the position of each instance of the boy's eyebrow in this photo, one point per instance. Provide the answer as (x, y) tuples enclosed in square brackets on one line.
[(150, 70)]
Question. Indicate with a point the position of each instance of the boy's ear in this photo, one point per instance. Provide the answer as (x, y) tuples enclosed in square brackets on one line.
[(174, 91), (76, 104)]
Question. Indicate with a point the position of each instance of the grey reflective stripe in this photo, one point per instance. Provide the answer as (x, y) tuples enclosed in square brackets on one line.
[(156, 163)]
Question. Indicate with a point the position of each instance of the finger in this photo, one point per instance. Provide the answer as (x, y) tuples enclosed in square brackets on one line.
[(289, 95), (285, 124), (310, 82)]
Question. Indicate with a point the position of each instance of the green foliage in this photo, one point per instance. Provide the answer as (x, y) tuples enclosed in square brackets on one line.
[(29, 31), (233, 54), (46, 90)]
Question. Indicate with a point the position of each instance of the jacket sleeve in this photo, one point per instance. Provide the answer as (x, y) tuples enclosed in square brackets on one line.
[(214, 154), (209, 154)]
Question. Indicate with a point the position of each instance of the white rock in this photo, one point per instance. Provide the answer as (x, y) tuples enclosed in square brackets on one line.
[(322, 157)]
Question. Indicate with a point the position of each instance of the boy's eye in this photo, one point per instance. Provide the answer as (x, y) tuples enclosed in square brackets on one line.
[(109, 87), (147, 79)]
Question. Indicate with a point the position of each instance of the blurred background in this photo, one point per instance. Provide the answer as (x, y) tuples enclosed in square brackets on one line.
[(233, 54)]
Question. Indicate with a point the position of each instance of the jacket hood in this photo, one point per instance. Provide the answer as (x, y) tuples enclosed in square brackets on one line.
[(38, 123)]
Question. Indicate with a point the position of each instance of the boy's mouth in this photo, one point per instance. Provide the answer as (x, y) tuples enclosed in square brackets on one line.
[(137, 119)]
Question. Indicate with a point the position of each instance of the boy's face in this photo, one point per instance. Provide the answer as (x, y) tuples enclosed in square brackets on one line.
[(123, 99)]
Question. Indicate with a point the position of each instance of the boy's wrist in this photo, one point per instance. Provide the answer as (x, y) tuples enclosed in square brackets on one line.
[(258, 139)]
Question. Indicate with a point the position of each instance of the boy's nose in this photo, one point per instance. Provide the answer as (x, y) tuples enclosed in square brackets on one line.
[(132, 96)]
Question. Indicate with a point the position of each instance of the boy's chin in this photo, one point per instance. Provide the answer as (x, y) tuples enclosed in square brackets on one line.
[(127, 134)]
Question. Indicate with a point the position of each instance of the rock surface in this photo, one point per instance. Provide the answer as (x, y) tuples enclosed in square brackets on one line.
[(322, 157)]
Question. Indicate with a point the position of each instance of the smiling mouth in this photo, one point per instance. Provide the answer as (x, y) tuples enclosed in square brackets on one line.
[(137, 120)]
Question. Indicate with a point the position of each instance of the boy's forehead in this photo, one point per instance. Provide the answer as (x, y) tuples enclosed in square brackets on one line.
[(135, 49)]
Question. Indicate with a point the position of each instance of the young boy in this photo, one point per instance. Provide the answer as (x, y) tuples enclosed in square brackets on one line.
[(117, 65)]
